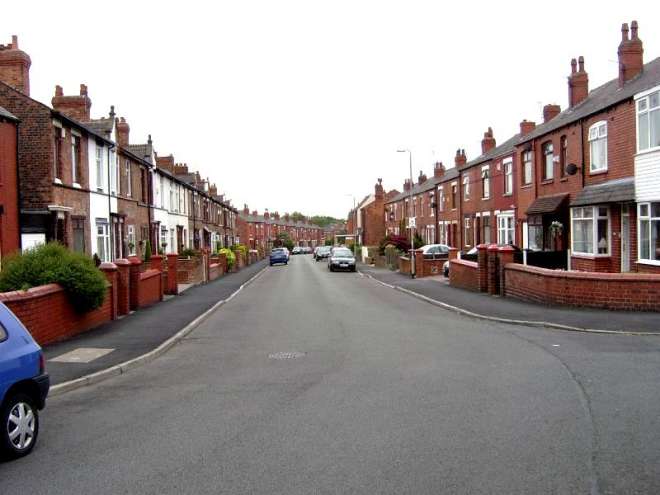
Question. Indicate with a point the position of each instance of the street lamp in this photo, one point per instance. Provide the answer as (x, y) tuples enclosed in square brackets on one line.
[(355, 218), (410, 216)]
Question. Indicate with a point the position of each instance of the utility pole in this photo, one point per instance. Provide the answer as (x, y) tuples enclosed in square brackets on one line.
[(410, 216)]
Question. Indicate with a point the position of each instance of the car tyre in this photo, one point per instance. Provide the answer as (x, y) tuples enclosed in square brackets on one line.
[(20, 419)]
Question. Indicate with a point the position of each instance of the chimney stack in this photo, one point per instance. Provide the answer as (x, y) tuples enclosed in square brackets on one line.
[(74, 106), (123, 131), (526, 127), (422, 177), (460, 159), (266, 214), (166, 163), (631, 54), (406, 185), (15, 66), (378, 190), (438, 170), (180, 169), (550, 111), (578, 82), (246, 210), (488, 142)]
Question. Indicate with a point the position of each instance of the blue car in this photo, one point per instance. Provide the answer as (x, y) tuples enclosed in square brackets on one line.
[(279, 255), (24, 386)]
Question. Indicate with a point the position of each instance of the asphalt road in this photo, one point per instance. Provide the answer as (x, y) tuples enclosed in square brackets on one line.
[(390, 395)]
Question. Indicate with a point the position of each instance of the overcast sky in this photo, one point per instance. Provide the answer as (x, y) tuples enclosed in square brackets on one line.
[(295, 105)]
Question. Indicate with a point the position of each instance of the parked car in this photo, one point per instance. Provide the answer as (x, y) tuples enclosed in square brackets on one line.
[(297, 250), (435, 251), (341, 259), (307, 250), (288, 253), (24, 386), (322, 253), (278, 255)]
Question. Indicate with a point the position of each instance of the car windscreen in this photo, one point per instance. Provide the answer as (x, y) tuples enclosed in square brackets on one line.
[(342, 253), (277, 251)]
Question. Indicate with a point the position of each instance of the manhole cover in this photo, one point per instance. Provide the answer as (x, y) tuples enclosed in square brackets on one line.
[(285, 355)]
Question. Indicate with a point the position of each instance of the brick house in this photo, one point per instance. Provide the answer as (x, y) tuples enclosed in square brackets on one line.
[(260, 231), (9, 229), (448, 203)]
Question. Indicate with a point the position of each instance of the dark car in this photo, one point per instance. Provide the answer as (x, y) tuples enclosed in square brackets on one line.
[(278, 255), (341, 259), (24, 386), (322, 253)]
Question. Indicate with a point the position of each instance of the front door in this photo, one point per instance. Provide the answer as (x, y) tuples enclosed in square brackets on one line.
[(625, 238)]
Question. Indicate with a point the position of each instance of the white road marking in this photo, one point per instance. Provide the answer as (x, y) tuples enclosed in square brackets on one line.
[(81, 355)]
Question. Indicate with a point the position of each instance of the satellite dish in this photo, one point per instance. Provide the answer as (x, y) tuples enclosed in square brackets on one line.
[(571, 169)]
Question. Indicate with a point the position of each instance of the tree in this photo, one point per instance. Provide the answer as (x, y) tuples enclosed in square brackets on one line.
[(283, 239), (297, 216)]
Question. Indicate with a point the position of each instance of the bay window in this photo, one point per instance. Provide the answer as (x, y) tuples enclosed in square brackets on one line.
[(648, 122), (598, 147), (591, 230), (535, 232), (649, 232)]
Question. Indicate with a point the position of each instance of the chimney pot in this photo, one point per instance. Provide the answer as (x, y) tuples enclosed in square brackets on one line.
[(631, 54), (488, 142), (573, 66), (15, 66), (83, 90), (59, 91), (14, 42), (624, 32), (578, 83), (526, 127)]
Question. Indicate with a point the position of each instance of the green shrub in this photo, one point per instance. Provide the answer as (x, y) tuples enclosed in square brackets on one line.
[(231, 257), (242, 248), (188, 253), (147, 250), (84, 284)]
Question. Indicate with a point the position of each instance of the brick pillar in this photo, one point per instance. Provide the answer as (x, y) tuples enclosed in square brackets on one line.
[(207, 265), (482, 260), (134, 278), (172, 268), (123, 286), (505, 256), (493, 287), (453, 253), (222, 259), (110, 271), (157, 262), (419, 263)]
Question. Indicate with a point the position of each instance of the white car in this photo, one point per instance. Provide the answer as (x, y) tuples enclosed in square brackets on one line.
[(435, 251)]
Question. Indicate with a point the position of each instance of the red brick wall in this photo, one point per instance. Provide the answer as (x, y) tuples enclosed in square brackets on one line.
[(49, 316), (150, 288), (9, 231), (621, 291), (189, 270), (643, 268), (464, 274)]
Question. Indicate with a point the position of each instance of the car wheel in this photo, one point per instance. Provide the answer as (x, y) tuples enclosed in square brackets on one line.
[(20, 426), (271, 264)]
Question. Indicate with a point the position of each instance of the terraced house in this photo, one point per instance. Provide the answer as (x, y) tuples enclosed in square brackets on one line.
[(260, 231)]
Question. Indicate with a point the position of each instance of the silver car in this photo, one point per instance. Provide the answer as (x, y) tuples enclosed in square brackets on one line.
[(341, 259)]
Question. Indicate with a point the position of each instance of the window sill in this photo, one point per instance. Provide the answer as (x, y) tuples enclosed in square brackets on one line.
[(563, 179), (57, 181), (589, 256), (76, 185), (598, 172), (545, 182), (507, 195), (526, 186), (649, 150), (648, 262)]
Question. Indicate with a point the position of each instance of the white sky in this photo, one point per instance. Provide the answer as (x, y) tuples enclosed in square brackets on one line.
[(294, 105)]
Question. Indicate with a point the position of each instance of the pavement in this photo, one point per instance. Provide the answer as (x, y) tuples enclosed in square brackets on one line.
[(314, 382), (438, 289), (141, 331)]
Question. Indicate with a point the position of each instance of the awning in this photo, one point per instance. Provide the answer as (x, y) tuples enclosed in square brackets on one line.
[(547, 204), (613, 191)]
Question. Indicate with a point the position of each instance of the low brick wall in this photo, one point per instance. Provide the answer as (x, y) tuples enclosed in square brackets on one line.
[(50, 317), (190, 270), (215, 270), (620, 291), (464, 274), (151, 288)]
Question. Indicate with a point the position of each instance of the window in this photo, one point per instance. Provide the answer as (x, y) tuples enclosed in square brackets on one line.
[(454, 193), (468, 231), (3, 333), (505, 229), (99, 168), (162, 192), (173, 204), (57, 165), (485, 182), (131, 239), (590, 226), (102, 240), (485, 229), (75, 160), (441, 199), (527, 167), (163, 238), (548, 161), (466, 188), (598, 147), (129, 179), (649, 231), (431, 203), (78, 226), (563, 156), (648, 122), (442, 233), (535, 232), (114, 167), (508, 177)]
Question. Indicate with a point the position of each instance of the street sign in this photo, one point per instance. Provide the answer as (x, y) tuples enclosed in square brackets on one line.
[(411, 223)]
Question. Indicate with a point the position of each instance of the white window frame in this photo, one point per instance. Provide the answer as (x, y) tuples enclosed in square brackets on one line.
[(595, 216), (645, 100), (528, 166), (100, 179), (129, 179), (506, 235), (650, 219), (75, 158), (548, 151), (441, 199), (485, 182), (466, 188), (431, 201), (130, 236), (468, 226), (508, 176), (103, 235), (597, 134)]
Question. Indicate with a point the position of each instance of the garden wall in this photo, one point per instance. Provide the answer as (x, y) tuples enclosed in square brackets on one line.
[(464, 274)]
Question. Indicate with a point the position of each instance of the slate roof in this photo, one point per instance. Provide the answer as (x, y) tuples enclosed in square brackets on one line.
[(547, 204), (602, 97), (280, 222), (6, 114), (503, 149), (101, 126), (144, 151), (428, 185), (613, 191)]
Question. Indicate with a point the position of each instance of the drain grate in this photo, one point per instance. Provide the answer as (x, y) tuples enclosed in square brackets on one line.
[(285, 355)]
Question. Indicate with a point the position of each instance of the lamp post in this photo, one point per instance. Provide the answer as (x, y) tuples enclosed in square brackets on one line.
[(410, 216), (355, 217)]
